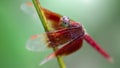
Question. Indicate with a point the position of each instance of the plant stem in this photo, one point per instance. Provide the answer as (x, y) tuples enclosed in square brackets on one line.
[(44, 23), (41, 14)]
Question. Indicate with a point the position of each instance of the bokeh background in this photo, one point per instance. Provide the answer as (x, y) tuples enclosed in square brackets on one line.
[(101, 18)]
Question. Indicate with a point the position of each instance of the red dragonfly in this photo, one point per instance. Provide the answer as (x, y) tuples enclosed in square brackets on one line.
[(64, 33)]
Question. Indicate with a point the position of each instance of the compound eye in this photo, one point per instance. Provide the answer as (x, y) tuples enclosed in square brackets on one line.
[(65, 21)]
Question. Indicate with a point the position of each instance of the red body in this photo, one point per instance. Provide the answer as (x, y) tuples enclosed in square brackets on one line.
[(77, 42)]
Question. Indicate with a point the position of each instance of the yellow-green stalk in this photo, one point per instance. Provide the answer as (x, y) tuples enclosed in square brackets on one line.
[(44, 23)]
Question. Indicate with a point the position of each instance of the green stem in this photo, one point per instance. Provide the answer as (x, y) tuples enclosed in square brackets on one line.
[(44, 23), (41, 14)]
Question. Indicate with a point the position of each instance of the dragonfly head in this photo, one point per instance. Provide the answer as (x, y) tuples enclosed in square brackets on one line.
[(65, 21)]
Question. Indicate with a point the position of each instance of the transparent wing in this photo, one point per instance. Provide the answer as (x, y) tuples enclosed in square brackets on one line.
[(53, 19), (30, 10), (37, 43), (52, 39)]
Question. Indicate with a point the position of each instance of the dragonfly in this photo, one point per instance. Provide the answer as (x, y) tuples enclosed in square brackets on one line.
[(65, 33)]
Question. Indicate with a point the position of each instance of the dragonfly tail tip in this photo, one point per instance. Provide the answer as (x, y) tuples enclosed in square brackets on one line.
[(111, 60)]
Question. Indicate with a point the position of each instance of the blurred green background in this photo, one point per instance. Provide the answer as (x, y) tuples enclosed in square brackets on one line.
[(101, 18)]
